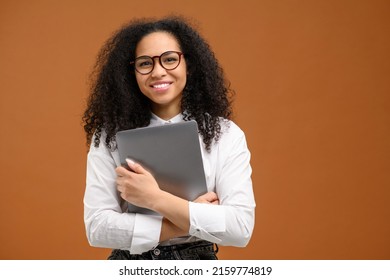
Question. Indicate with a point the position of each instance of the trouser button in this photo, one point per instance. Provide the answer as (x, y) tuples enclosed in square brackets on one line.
[(156, 252)]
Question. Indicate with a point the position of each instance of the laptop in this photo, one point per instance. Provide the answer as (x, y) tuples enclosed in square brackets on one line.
[(171, 152)]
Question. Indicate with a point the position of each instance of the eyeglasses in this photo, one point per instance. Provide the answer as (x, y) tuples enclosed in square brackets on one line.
[(168, 60)]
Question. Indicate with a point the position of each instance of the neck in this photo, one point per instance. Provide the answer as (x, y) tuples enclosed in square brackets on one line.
[(166, 113)]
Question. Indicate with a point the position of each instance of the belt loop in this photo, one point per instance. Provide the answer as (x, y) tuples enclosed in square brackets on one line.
[(216, 248)]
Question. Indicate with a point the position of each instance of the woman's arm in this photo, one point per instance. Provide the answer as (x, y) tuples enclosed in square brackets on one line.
[(107, 222), (169, 230), (231, 222)]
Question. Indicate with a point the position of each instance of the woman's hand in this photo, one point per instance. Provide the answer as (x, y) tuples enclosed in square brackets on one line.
[(137, 185), (209, 198)]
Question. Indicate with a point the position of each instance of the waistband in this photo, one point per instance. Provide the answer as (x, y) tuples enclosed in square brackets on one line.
[(181, 246), (186, 251)]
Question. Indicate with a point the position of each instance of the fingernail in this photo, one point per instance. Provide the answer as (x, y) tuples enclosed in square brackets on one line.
[(129, 161)]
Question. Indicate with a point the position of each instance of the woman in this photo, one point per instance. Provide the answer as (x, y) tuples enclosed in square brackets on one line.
[(153, 72)]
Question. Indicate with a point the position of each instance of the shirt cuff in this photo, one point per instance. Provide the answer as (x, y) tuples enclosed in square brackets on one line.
[(146, 235), (206, 220)]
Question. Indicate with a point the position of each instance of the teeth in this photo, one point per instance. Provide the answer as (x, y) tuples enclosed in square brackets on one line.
[(161, 86)]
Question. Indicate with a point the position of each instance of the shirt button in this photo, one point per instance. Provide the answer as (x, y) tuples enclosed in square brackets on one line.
[(156, 252)]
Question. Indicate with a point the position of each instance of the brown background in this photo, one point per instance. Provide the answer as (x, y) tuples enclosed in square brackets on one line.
[(313, 96)]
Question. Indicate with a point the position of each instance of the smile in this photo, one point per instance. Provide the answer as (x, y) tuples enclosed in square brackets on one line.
[(161, 86)]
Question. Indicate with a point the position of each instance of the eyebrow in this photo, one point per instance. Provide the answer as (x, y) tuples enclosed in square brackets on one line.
[(159, 54)]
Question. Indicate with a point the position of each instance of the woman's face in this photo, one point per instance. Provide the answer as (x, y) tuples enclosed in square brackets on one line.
[(163, 87)]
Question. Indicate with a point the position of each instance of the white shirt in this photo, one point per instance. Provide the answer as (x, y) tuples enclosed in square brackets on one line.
[(228, 173)]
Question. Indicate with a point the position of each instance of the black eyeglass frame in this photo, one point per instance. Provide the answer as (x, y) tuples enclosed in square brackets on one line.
[(159, 60)]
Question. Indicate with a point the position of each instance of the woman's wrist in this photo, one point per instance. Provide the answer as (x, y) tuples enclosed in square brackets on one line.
[(170, 230), (173, 208)]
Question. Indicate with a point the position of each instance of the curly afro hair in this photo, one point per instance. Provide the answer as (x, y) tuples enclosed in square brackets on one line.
[(116, 102)]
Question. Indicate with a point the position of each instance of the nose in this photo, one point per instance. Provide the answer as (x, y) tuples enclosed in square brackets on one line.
[(158, 70)]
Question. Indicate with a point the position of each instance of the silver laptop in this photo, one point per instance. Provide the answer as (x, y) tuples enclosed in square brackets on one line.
[(171, 152)]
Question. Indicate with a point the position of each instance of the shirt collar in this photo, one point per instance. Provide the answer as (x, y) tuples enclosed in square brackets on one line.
[(156, 120)]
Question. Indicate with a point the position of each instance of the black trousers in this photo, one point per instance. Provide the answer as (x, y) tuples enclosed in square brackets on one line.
[(200, 250)]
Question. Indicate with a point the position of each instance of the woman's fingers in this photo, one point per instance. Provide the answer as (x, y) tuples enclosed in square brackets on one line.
[(209, 197)]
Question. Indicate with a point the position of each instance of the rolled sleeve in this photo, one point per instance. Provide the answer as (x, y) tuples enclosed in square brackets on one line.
[(146, 233), (207, 220)]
